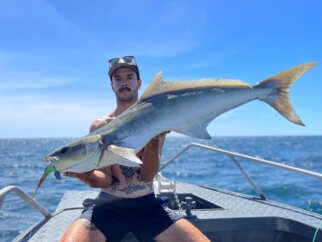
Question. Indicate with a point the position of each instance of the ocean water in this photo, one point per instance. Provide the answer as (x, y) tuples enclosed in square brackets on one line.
[(21, 164)]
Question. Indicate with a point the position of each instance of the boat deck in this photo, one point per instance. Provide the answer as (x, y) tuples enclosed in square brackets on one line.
[(221, 215)]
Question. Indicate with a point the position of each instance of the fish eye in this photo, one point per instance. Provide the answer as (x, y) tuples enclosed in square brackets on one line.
[(64, 150)]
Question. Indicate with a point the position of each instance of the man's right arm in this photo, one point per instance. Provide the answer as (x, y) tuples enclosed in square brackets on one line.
[(100, 178)]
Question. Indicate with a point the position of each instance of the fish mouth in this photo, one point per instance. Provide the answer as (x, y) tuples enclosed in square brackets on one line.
[(51, 159)]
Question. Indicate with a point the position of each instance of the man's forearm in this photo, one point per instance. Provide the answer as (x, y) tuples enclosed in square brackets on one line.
[(151, 158), (95, 178), (98, 180)]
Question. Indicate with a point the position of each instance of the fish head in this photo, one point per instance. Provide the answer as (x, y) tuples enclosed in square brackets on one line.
[(79, 156), (83, 154)]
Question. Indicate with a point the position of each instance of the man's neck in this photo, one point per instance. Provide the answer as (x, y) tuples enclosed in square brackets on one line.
[(122, 106)]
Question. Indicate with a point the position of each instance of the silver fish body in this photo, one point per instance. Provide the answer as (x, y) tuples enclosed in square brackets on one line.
[(187, 107)]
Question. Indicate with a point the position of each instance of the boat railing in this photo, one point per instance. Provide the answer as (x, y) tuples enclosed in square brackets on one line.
[(233, 155), (24, 196)]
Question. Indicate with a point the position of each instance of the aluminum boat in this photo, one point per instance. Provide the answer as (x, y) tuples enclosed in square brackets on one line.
[(224, 216)]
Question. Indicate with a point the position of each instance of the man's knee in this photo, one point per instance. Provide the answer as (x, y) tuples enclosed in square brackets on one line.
[(82, 230), (182, 230)]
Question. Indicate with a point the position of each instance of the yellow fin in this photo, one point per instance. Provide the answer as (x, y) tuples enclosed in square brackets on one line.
[(158, 85), (154, 87), (280, 84)]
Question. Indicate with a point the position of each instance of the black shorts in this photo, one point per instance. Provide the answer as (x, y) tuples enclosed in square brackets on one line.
[(145, 217)]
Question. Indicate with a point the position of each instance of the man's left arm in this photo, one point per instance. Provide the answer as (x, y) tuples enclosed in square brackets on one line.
[(151, 157)]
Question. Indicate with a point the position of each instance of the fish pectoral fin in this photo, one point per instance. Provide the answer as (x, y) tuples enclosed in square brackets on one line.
[(122, 155), (196, 131)]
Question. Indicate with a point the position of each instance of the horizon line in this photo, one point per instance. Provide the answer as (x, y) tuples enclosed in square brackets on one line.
[(183, 136)]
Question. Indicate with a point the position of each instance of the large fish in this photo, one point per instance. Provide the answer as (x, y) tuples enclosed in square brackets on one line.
[(186, 107)]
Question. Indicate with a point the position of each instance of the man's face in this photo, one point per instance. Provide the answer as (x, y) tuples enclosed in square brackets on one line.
[(125, 84)]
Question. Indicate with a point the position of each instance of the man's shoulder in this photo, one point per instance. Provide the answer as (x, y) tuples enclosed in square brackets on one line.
[(107, 118), (100, 122)]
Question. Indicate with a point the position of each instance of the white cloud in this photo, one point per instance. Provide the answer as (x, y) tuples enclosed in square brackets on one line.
[(15, 83), (39, 116)]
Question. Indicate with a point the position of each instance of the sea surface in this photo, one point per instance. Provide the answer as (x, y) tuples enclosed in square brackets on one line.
[(21, 164)]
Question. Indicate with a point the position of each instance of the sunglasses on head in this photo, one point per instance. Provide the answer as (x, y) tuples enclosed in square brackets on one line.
[(125, 59)]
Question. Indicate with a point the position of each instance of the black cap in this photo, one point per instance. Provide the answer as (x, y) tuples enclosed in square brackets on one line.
[(126, 61)]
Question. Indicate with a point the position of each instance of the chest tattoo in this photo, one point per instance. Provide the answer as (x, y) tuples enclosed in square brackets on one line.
[(129, 172), (115, 183), (133, 188)]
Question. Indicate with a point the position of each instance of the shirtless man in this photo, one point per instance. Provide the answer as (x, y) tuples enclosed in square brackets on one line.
[(127, 201)]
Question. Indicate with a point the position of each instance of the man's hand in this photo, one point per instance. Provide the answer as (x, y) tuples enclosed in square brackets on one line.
[(84, 177), (161, 135), (100, 178)]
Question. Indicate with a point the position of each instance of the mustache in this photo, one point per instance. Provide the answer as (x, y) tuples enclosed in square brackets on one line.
[(122, 89)]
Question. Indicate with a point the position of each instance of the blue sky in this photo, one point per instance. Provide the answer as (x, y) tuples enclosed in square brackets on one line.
[(53, 56)]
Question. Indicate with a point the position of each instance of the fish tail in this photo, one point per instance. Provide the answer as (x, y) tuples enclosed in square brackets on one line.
[(47, 171), (279, 85)]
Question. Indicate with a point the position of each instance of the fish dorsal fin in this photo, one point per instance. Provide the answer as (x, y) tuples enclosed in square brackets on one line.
[(158, 85), (154, 87)]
